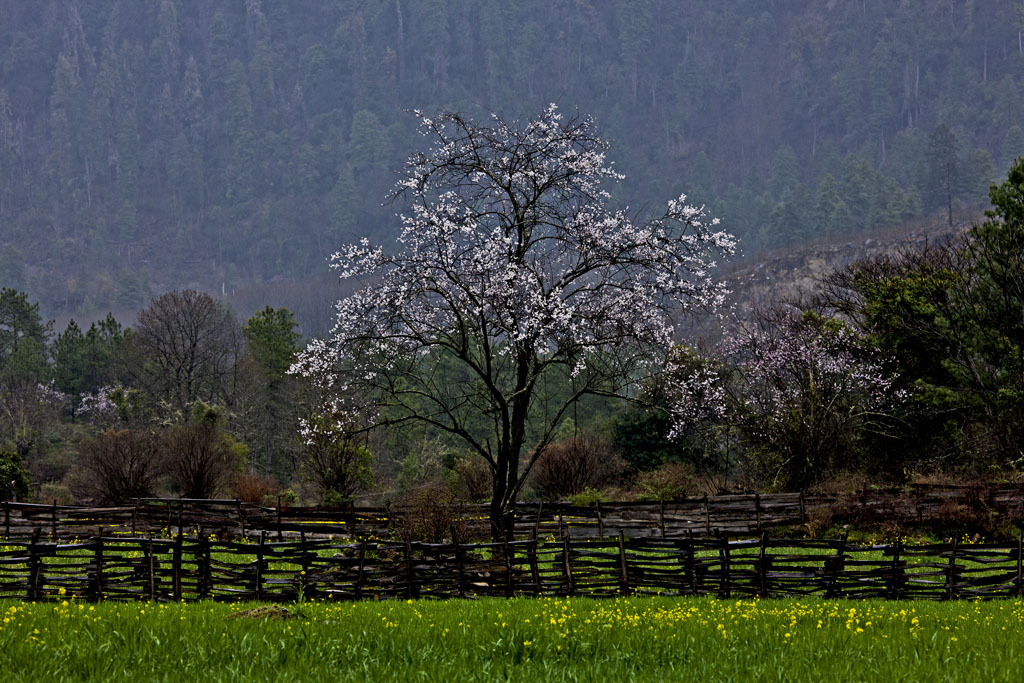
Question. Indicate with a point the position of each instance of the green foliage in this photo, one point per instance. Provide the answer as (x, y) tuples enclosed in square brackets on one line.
[(21, 326), (336, 466), (15, 481), (952, 316), (85, 363), (641, 436), (589, 496), (272, 339), (671, 481)]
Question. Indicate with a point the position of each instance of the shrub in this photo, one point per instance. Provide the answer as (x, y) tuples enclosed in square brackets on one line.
[(15, 482), (202, 458), (121, 464), (589, 496), (253, 488), (432, 513), (336, 466), (473, 480), (335, 499), (55, 491), (671, 481), (570, 467), (284, 498)]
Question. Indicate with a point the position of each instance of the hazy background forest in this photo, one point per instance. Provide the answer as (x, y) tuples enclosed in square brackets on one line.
[(229, 147), (177, 172)]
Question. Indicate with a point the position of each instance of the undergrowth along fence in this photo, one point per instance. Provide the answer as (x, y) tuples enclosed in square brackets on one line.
[(697, 516), (194, 568)]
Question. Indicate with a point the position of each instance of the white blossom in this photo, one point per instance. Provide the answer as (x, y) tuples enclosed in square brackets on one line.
[(512, 260)]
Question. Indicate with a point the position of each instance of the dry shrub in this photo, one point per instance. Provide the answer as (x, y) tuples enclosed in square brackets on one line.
[(671, 481), (121, 464), (570, 467), (254, 488), (201, 457), (970, 513), (818, 520), (432, 513), (841, 482), (473, 480)]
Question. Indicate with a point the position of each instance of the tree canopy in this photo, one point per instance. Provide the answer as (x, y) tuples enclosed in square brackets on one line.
[(514, 276)]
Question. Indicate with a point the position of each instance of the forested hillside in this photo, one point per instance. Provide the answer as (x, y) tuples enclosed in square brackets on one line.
[(151, 145)]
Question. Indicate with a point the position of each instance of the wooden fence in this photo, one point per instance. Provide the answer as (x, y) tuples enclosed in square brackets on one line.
[(192, 568), (704, 516)]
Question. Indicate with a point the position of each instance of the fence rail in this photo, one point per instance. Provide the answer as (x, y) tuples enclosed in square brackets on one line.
[(193, 568), (704, 516)]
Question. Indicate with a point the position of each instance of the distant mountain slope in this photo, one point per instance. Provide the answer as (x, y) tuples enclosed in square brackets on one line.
[(222, 144), (790, 275)]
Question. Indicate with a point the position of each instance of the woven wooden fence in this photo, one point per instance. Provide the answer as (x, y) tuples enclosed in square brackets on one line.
[(709, 515), (193, 568)]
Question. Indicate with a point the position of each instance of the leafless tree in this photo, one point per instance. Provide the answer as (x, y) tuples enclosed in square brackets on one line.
[(121, 465), (185, 348)]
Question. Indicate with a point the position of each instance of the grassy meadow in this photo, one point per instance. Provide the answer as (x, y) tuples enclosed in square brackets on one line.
[(521, 639)]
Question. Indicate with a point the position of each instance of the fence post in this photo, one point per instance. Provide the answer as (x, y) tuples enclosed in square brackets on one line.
[(763, 565), (152, 574), (241, 520), (7, 519), (410, 580), (176, 562), (508, 570), (259, 564), (303, 562), (690, 567), (54, 520), (803, 509), (1020, 564), (832, 589), (896, 573), (757, 512), (135, 513), (35, 572), (624, 587), (951, 572), (458, 564), (203, 553), (359, 575), (566, 564), (661, 517), (707, 516), (536, 522), (279, 534), (96, 589), (723, 554), (600, 521), (533, 564)]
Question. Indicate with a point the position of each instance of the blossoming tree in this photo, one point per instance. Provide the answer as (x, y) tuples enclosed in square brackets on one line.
[(515, 289), (804, 391)]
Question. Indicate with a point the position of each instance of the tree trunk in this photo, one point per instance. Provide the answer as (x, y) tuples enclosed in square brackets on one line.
[(502, 515)]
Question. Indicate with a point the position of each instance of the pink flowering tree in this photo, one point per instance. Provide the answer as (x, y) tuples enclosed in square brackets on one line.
[(804, 390), (516, 288)]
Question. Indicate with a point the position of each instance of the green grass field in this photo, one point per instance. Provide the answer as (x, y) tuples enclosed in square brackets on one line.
[(521, 639)]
